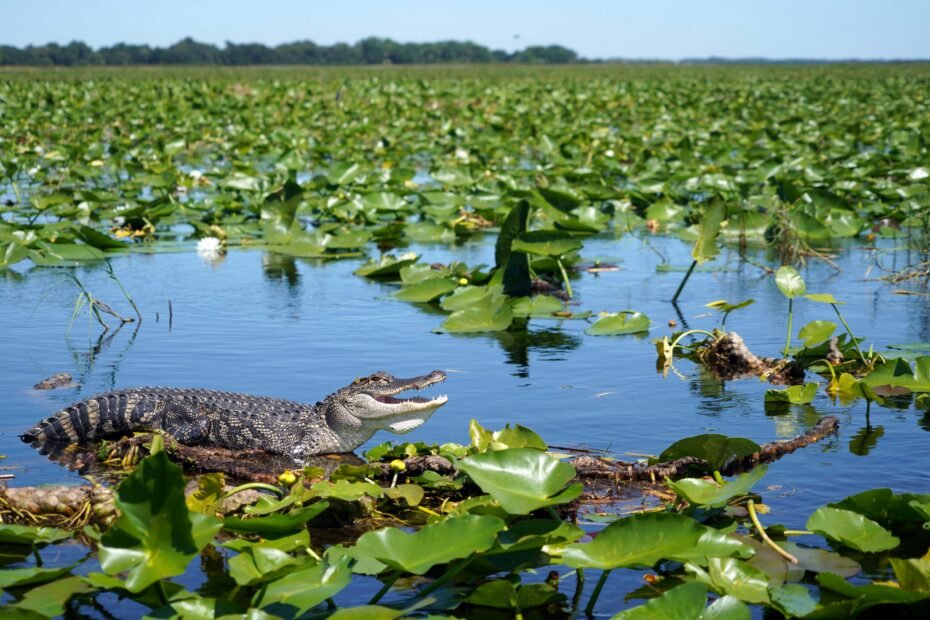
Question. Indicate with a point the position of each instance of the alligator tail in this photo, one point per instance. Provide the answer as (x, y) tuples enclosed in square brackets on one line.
[(95, 417)]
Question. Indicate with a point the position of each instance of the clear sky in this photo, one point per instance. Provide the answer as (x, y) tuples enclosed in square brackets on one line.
[(670, 29)]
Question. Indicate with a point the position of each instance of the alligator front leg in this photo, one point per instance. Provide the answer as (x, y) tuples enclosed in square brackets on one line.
[(188, 425)]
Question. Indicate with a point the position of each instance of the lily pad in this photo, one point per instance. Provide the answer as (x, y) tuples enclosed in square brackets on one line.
[(717, 450), (545, 243), (479, 317), (623, 322), (440, 543), (789, 282), (642, 540), (426, 290), (794, 395), (155, 536), (703, 492), (852, 529), (522, 479)]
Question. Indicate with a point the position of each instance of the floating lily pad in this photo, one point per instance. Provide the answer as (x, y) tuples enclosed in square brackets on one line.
[(642, 540), (522, 479), (619, 323)]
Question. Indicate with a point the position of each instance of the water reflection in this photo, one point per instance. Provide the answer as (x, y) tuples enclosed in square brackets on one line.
[(865, 439), (85, 360), (518, 342), (279, 268), (792, 420), (924, 422)]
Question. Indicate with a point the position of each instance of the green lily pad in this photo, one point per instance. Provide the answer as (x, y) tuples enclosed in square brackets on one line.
[(521, 479), (345, 490), (31, 535), (301, 590), (623, 322), (156, 536), (484, 316), (545, 243), (717, 450), (255, 564), (898, 373), (387, 266), (702, 492), (49, 600), (642, 540), (440, 543), (851, 529), (705, 247), (276, 524), (794, 395), (732, 576), (790, 282), (426, 290), (816, 332)]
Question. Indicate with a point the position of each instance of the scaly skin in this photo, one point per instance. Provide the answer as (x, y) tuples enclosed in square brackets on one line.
[(339, 423)]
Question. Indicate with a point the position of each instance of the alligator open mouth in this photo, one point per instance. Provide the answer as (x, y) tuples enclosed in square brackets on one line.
[(404, 413), (389, 394)]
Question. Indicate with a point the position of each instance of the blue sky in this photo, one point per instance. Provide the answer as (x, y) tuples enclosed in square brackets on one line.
[(670, 29)]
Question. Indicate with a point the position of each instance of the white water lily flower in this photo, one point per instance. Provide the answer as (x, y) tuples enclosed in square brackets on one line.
[(210, 249)]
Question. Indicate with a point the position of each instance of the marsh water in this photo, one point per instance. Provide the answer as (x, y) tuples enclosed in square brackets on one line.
[(298, 329)]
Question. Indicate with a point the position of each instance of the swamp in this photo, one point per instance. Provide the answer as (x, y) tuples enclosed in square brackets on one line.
[(682, 310)]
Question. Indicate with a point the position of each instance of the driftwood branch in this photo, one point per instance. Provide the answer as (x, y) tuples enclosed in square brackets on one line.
[(75, 506), (621, 471)]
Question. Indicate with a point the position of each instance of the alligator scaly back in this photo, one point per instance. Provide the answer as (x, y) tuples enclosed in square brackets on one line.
[(340, 423)]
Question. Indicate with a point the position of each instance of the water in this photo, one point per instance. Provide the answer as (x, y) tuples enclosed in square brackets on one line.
[(300, 329)]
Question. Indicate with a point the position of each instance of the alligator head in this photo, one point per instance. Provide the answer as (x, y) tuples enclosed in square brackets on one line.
[(373, 403)]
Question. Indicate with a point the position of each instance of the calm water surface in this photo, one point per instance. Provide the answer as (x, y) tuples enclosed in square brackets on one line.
[(300, 329)]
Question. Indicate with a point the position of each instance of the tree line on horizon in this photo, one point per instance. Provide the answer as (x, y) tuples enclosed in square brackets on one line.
[(369, 51)]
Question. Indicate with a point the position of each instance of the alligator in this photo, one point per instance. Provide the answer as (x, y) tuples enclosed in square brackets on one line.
[(341, 422)]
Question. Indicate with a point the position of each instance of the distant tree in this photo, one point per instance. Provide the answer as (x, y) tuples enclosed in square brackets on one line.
[(549, 54), (370, 51), (249, 54)]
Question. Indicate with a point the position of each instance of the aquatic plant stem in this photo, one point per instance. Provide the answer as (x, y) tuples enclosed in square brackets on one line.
[(849, 331), (446, 577), (579, 588), (19, 198), (684, 281), (568, 285), (132, 303), (798, 533), (589, 608), (689, 333), (790, 316), (384, 589), (751, 507), (161, 592), (254, 485)]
